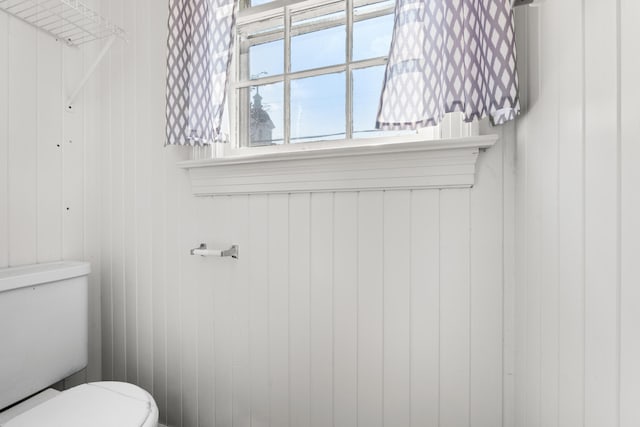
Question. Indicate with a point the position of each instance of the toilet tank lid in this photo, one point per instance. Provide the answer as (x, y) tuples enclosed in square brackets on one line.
[(37, 274)]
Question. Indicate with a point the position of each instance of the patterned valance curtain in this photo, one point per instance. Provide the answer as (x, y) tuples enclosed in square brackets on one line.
[(200, 47), (446, 56)]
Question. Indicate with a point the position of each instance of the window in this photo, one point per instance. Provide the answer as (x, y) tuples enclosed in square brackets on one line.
[(312, 70)]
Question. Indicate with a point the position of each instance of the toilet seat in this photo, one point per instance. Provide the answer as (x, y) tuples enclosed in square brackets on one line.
[(101, 404)]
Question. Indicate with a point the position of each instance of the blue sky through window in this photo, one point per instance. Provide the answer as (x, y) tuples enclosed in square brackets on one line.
[(318, 49), (266, 59), (318, 108)]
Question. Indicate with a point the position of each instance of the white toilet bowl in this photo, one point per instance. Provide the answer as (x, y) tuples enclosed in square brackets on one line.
[(101, 404)]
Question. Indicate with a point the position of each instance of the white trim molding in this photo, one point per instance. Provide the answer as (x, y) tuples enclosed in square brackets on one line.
[(444, 163)]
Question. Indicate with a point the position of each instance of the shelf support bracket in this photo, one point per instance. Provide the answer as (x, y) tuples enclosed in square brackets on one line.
[(89, 73)]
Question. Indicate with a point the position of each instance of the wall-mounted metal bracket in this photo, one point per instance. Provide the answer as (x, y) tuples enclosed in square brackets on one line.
[(89, 73)]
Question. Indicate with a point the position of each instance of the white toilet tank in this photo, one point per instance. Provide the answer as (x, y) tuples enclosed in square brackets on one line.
[(43, 326)]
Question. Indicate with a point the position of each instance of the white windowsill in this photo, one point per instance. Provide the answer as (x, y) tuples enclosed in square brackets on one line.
[(444, 163)]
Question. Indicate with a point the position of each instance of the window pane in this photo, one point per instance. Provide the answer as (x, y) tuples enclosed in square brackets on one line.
[(264, 109), (266, 59), (261, 48), (367, 87), (372, 37), (318, 108), (318, 37)]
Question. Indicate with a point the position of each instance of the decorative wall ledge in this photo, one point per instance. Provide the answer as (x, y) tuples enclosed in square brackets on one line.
[(447, 163)]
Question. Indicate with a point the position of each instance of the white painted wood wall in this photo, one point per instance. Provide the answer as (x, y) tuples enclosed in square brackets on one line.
[(371, 308), (49, 185), (578, 215), (282, 337)]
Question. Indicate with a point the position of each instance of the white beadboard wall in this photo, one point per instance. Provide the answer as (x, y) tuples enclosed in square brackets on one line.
[(49, 185), (578, 215), (345, 309), (361, 308)]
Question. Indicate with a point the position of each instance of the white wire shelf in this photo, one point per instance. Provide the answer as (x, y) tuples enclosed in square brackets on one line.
[(69, 21)]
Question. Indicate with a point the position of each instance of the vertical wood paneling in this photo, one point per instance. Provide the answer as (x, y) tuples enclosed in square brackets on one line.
[(321, 310), (159, 290), (190, 278), (630, 217), (4, 139), (92, 118), (22, 142), (259, 310), (241, 375), (509, 282), (397, 308), (73, 174), (370, 308), (49, 161), (601, 218), (299, 309), (174, 294), (73, 177), (353, 333), (106, 221), (362, 314), (345, 309), (425, 307), (117, 206), (571, 216), (278, 249), (130, 188), (532, 286), (223, 318), (486, 276), (143, 199), (211, 214), (520, 221), (454, 308), (531, 243), (587, 48), (548, 222), (73, 160), (159, 214)]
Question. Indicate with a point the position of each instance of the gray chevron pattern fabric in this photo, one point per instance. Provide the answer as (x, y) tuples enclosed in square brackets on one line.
[(200, 45), (446, 56)]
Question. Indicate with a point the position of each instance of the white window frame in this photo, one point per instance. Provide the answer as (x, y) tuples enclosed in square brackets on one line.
[(452, 125)]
